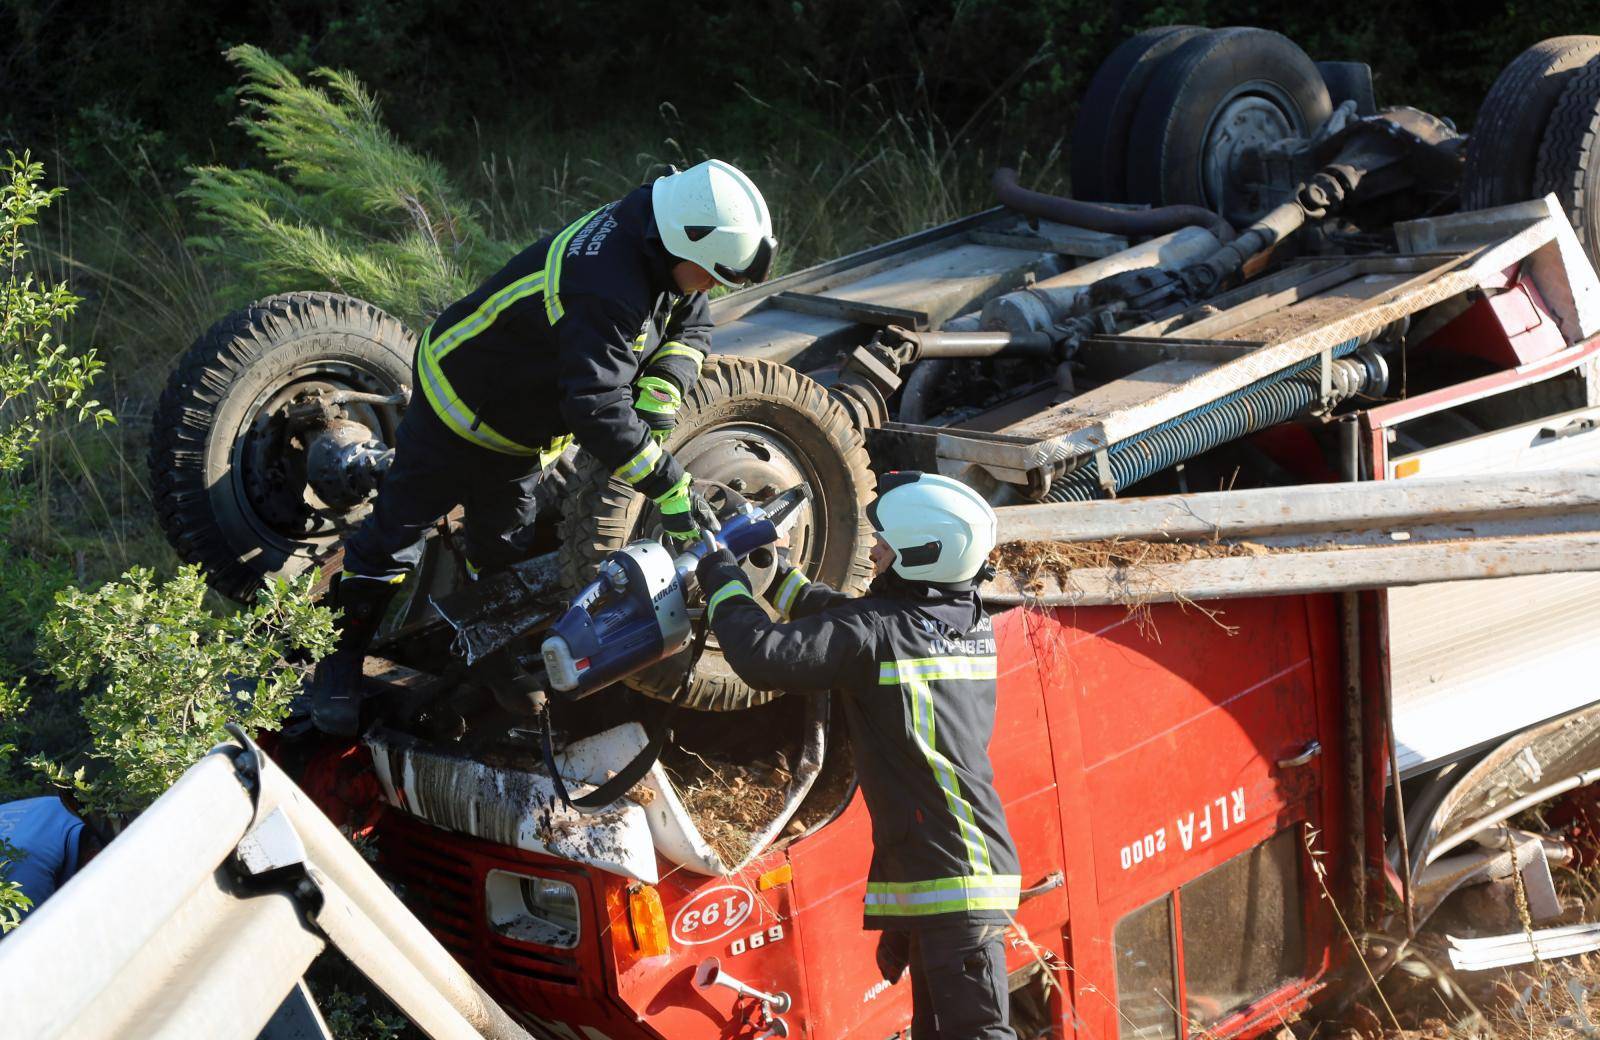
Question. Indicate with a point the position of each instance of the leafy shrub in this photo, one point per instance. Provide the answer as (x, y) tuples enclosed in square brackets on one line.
[(164, 676), (13, 903), (39, 376)]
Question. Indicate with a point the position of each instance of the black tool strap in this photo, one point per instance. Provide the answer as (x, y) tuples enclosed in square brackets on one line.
[(634, 771)]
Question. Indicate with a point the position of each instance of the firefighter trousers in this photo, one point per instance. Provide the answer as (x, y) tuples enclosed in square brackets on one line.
[(434, 471), (958, 980)]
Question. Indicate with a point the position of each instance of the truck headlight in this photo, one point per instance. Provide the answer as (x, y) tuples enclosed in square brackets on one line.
[(532, 909)]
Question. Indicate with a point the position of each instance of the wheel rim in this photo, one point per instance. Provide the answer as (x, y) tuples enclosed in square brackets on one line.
[(748, 462), (266, 470), (1253, 115), (737, 462)]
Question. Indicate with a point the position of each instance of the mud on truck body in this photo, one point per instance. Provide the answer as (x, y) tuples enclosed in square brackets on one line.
[(1265, 283)]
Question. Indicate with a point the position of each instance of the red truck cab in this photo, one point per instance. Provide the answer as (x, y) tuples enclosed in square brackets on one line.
[(1165, 775)]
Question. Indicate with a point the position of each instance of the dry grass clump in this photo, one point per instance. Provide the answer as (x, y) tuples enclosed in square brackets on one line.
[(733, 802), (1033, 566), (1030, 560)]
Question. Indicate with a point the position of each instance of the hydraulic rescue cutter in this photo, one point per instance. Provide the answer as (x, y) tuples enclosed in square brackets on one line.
[(636, 612)]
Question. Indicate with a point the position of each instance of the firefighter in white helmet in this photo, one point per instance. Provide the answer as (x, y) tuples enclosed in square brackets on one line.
[(915, 661), (593, 334)]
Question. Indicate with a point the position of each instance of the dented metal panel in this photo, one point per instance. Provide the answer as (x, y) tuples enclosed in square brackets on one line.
[(512, 807)]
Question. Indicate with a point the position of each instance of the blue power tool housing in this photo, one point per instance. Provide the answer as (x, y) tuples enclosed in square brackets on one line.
[(635, 612)]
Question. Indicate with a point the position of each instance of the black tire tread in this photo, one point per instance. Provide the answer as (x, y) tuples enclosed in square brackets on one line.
[(599, 522), (1100, 135), (1568, 162), (1165, 124), (183, 418), (1503, 148)]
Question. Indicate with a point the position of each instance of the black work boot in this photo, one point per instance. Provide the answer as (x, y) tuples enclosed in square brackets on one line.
[(335, 686)]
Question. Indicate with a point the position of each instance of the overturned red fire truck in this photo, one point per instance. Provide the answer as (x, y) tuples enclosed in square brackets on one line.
[(1265, 707)]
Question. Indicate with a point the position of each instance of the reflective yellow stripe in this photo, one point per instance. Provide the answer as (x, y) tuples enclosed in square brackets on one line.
[(727, 592), (448, 407), (944, 774), (942, 895), (393, 579), (486, 313), (552, 265), (929, 669), (913, 676), (789, 590), (463, 421), (672, 348), (641, 465)]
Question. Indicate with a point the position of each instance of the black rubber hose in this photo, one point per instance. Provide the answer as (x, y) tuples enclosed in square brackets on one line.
[(1108, 219)]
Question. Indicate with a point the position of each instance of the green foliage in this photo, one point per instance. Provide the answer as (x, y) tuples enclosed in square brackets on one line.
[(352, 1016), (164, 675), (346, 205), (39, 376), (13, 904)]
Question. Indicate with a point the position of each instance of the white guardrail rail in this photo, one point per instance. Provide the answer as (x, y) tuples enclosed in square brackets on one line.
[(200, 919)]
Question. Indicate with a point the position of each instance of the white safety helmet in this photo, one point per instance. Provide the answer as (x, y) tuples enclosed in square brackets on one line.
[(715, 216), (941, 531)]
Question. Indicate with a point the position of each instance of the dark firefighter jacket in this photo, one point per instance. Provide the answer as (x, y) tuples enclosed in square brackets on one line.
[(549, 347), (916, 666)]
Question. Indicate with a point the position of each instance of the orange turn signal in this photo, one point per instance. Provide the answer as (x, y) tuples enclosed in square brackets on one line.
[(1408, 468), (648, 919), (775, 877)]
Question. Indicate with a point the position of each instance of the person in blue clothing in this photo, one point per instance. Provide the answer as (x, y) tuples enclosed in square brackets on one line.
[(52, 843)]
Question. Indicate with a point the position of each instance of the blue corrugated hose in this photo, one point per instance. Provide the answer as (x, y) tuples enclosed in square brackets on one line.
[(1278, 398)]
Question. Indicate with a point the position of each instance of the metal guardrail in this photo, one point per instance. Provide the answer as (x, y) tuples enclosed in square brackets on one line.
[(1315, 538), (203, 915)]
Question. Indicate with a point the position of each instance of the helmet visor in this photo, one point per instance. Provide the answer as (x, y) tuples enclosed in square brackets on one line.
[(756, 270)]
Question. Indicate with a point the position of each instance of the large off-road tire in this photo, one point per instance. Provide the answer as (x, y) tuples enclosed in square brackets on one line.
[(1208, 102), (225, 486), (1100, 136), (1504, 147), (1569, 156), (753, 428)]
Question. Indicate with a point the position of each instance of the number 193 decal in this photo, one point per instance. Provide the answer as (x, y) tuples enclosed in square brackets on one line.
[(712, 915)]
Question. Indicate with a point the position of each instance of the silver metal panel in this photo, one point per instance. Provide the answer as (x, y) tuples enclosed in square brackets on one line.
[(1569, 440), (1474, 660), (941, 272)]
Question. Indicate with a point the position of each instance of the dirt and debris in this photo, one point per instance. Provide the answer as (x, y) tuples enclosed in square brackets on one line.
[(1031, 563), (732, 803)]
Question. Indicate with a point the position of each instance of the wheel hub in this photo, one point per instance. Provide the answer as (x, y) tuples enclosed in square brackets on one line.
[(312, 479), (1244, 125), (733, 465), (744, 463)]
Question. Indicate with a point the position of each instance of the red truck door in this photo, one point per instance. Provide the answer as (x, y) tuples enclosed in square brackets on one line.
[(1193, 753)]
